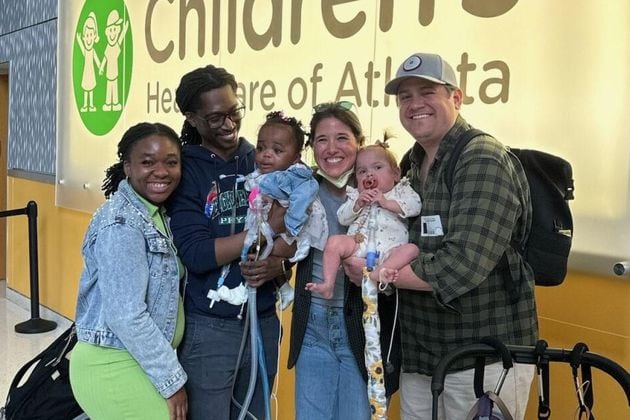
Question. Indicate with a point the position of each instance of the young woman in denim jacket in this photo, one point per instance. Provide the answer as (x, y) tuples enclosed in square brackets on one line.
[(129, 315)]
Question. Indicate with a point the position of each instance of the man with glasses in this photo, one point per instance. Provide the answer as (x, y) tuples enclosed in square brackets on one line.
[(455, 292), (215, 120), (207, 217)]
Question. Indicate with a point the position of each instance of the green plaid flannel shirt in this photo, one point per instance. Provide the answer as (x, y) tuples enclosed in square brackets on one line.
[(480, 218)]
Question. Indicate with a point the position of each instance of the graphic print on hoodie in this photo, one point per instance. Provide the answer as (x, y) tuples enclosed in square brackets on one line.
[(205, 207)]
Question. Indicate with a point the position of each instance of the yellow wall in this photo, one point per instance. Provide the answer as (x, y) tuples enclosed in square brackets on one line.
[(588, 308), (594, 310), (60, 233)]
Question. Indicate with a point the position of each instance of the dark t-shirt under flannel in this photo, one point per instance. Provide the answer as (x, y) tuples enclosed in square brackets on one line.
[(488, 209)]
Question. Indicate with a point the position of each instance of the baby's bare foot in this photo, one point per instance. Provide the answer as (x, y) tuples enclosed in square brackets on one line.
[(387, 275)]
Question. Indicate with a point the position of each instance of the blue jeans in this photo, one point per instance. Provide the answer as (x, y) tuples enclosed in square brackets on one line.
[(209, 355), (328, 382)]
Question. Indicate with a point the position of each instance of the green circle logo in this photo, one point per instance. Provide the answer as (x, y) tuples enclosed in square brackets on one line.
[(102, 59)]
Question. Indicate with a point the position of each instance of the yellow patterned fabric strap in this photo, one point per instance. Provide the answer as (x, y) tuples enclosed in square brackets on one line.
[(373, 357)]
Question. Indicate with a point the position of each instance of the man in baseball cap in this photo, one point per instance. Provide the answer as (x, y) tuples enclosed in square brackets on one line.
[(464, 234), (426, 66)]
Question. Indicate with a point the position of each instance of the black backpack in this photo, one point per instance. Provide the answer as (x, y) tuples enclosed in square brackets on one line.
[(550, 178), (46, 393)]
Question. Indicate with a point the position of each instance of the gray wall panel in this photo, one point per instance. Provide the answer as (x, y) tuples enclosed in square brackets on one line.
[(20, 14), (32, 56)]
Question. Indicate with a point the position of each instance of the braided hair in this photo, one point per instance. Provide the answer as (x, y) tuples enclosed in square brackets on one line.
[(116, 173), (279, 117), (188, 94)]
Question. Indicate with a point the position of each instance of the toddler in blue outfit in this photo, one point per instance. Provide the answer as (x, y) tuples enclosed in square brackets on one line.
[(280, 175)]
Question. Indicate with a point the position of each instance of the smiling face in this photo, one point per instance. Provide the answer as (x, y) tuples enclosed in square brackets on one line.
[(427, 110), (334, 147), (276, 148), (374, 169), (89, 34), (112, 33), (215, 104), (153, 168)]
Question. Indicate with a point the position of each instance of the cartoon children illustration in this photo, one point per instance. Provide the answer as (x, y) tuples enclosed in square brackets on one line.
[(86, 40), (115, 34)]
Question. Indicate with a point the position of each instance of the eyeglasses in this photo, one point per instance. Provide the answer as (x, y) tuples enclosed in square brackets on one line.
[(326, 106), (217, 119)]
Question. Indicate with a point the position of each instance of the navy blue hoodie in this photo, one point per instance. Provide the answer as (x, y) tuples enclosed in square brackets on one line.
[(201, 210)]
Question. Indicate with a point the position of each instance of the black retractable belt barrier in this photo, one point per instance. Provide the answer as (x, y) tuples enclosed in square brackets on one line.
[(35, 324)]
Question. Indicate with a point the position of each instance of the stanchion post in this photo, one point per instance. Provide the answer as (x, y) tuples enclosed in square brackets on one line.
[(35, 324)]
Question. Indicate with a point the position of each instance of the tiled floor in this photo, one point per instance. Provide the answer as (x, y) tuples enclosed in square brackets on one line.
[(17, 349)]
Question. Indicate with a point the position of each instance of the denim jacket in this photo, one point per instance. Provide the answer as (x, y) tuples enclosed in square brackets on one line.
[(129, 290)]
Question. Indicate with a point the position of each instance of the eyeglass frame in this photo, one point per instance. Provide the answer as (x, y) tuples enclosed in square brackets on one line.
[(239, 109)]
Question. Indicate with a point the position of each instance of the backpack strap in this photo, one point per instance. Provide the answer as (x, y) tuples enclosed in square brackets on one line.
[(405, 162), (66, 336), (463, 140), (500, 405), (20, 374), (483, 408)]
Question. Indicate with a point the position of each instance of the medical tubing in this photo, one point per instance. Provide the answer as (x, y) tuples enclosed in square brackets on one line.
[(257, 347), (239, 358), (253, 322), (263, 373), (391, 339), (371, 257), (251, 310)]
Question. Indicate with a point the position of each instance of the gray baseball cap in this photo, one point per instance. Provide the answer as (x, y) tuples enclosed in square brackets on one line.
[(425, 66)]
